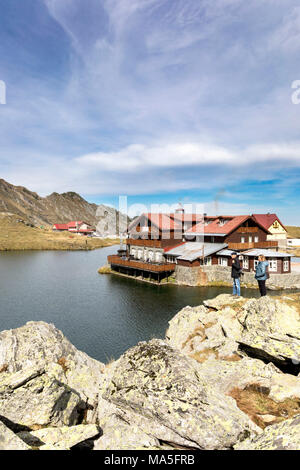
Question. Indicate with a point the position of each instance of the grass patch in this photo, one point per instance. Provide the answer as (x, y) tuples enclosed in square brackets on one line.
[(106, 269), (63, 364), (199, 331), (254, 400), (16, 235), (202, 356), (293, 231)]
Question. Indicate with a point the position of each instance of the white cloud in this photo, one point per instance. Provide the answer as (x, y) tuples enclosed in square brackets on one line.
[(139, 157)]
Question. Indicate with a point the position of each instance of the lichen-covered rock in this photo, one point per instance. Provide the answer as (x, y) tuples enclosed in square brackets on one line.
[(119, 435), (265, 328), (201, 330), (271, 330), (31, 398), (161, 386), (9, 440), (39, 344), (65, 436), (241, 374), (224, 300), (187, 324), (282, 436)]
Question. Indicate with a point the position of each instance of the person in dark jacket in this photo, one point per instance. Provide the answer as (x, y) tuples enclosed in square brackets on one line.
[(236, 272), (261, 274)]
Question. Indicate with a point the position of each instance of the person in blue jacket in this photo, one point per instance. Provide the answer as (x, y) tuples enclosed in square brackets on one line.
[(261, 274)]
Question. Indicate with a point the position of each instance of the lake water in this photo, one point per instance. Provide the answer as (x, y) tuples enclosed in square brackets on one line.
[(102, 315)]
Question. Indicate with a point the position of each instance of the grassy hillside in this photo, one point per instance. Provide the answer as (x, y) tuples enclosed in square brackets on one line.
[(293, 232), (16, 235)]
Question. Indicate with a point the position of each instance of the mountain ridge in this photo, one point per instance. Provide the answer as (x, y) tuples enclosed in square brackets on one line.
[(48, 210)]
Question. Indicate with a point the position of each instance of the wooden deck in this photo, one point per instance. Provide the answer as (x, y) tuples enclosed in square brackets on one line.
[(140, 265)]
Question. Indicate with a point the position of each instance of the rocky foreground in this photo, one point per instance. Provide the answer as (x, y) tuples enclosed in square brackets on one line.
[(227, 376)]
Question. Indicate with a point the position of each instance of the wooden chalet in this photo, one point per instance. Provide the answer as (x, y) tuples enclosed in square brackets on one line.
[(241, 232), (77, 226), (156, 243), (148, 236)]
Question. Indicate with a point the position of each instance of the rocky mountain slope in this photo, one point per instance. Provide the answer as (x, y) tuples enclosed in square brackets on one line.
[(56, 208), (227, 376)]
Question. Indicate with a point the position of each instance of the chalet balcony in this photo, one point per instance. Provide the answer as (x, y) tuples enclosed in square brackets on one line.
[(247, 229), (249, 246), (141, 265)]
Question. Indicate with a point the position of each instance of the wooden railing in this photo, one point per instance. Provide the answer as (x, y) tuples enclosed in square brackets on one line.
[(149, 243), (247, 229), (143, 266), (249, 246)]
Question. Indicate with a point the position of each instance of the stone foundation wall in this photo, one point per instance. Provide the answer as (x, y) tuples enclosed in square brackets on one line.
[(189, 276), (201, 276)]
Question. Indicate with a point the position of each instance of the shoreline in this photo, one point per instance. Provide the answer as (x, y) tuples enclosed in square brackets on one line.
[(106, 270), (61, 248)]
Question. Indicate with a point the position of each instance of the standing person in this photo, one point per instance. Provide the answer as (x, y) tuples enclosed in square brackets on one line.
[(261, 274), (236, 272)]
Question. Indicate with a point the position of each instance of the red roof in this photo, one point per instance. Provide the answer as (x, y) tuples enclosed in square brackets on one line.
[(174, 222), (61, 226), (187, 217), (75, 224), (163, 221), (215, 227), (266, 220)]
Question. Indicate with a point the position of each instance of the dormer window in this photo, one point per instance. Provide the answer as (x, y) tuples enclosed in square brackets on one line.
[(222, 222)]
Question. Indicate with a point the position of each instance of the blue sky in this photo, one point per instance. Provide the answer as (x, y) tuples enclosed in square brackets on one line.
[(160, 100)]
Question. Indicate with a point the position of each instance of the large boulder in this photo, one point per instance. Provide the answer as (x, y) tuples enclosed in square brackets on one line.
[(33, 399), (203, 332), (271, 331), (228, 328), (9, 440), (282, 436), (159, 390), (261, 390), (119, 435), (39, 344)]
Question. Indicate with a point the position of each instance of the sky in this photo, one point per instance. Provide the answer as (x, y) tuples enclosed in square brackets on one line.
[(159, 100)]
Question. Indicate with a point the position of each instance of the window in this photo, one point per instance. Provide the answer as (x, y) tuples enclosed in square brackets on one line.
[(208, 261), (222, 222), (256, 239), (133, 252), (246, 262), (151, 255), (250, 238), (286, 265), (222, 261), (140, 254), (158, 257), (243, 239), (255, 263), (273, 264)]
